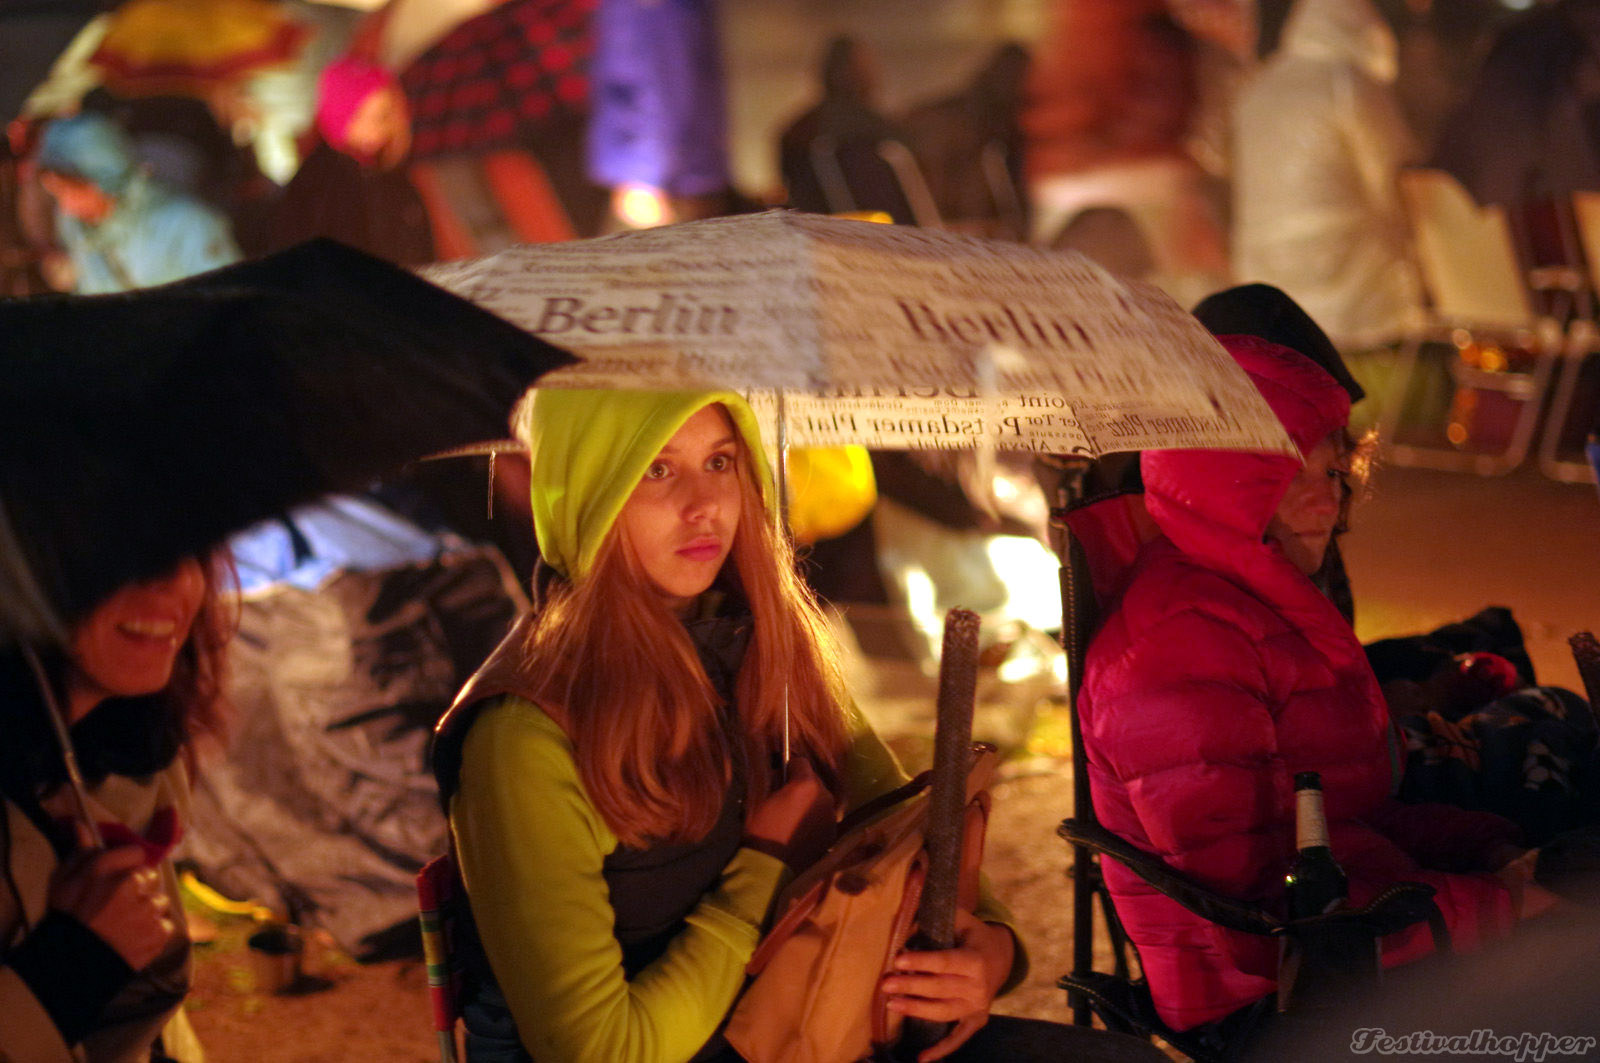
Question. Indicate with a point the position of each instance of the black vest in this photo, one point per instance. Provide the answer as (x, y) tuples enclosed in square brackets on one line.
[(652, 889)]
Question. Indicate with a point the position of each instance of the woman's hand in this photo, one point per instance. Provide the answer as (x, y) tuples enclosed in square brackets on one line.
[(119, 899), (795, 823), (953, 985)]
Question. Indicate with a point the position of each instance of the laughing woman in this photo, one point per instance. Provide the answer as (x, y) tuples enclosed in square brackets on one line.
[(94, 957), (612, 775)]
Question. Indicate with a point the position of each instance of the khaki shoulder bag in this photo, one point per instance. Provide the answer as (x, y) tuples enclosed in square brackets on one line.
[(815, 993)]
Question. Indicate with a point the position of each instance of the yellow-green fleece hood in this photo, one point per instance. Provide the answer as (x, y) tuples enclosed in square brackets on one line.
[(589, 449)]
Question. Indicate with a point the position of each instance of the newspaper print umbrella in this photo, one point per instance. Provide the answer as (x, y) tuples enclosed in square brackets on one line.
[(517, 64), (885, 336)]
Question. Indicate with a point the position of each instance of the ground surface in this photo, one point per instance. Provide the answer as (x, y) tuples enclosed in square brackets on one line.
[(379, 1012)]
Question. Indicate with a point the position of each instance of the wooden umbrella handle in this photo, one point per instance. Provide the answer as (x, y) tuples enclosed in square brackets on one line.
[(947, 802), (947, 799)]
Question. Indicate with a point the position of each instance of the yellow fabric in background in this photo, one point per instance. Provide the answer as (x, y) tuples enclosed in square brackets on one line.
[(193, 47), (831, 490)]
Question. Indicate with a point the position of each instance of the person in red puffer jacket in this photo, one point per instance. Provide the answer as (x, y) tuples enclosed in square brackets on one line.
[(1223, 671)]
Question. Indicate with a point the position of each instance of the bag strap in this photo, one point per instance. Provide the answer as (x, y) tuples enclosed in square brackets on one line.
[(980, 776), (500, 674), (815, 882)]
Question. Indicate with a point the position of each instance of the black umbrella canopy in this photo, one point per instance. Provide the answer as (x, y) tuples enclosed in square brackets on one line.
[(145, 427)]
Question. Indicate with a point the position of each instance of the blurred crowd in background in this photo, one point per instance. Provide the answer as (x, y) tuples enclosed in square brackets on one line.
[(1191, 142), (1194, 144)]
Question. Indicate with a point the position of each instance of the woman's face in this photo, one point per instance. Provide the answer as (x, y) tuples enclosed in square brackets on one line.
[(381, 127), (127, 645), (681, 518), (77, 197), (1309, 512)]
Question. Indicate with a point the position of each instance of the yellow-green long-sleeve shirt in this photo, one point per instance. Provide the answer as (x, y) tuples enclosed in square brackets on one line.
[(532, 847)]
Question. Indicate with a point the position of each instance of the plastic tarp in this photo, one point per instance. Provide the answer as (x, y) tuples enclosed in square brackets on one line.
[(324, 806)]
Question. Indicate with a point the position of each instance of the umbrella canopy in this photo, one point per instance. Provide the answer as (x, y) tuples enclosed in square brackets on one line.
[(886, 336), (517, 64), (145, 427), (193, 47)]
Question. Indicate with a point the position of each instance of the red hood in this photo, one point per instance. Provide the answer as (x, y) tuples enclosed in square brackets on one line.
[(1214, 505)]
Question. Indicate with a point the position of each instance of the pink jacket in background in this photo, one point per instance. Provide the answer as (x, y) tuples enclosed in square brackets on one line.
[(1222, 673)]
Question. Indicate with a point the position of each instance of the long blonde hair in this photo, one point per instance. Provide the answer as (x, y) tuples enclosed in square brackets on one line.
[(648, 742)]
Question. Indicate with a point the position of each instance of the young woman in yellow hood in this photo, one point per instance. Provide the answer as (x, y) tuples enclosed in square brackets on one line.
[(613, 773)]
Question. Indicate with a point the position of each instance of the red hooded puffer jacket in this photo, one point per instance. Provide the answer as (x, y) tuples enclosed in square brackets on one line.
[(1224, 672)]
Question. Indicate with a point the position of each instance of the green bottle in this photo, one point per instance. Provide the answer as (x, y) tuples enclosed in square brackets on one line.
[(1316, 882), (1320, 965)]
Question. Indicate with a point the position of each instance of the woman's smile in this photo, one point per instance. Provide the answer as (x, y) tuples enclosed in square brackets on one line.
[(149, 630), (127, 644)]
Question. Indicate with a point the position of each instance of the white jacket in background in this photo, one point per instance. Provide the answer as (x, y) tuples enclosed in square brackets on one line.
[(1318, 141)]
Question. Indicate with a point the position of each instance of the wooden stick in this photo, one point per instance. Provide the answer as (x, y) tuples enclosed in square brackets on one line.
[(1586, 654), (947, 804)]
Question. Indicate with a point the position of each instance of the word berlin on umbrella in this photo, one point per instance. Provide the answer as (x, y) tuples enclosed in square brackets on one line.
[(684, 314)]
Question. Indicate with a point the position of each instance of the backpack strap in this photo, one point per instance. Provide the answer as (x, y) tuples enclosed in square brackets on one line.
[(502, 674)]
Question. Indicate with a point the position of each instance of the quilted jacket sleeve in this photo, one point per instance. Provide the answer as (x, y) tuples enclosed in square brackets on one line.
[(1443, 836), (1182, 719), (1185, 720)]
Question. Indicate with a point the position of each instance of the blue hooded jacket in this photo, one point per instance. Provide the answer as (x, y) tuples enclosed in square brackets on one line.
[(153, 235)]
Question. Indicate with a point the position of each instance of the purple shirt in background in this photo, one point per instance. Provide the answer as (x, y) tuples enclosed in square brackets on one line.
[(659, 116)]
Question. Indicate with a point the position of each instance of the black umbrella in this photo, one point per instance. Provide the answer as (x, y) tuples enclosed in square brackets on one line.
[(144, 427)]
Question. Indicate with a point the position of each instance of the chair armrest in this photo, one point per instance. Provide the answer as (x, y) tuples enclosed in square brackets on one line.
[(1209, 905), (1396, 906)]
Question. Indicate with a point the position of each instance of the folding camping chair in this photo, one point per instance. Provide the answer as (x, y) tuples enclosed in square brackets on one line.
[(436, 890), (1010, 202), (1581, 233), (1095, 525), (859, 176), (1478, 296)]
